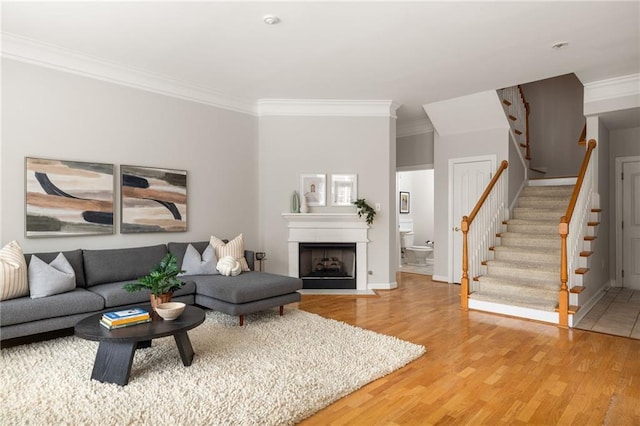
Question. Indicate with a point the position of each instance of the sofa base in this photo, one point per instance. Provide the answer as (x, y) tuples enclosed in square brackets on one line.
[(242, 309)]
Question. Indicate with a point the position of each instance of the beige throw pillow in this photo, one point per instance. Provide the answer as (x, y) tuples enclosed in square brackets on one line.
[(234, 248), (13, 272)]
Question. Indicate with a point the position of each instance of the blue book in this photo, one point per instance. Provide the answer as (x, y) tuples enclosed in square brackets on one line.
[(127, 313)]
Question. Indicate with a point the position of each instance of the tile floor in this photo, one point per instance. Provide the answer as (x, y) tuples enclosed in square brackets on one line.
[(617, 313)]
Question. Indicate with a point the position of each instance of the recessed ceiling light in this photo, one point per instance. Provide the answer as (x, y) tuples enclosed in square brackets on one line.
[(271, 19), (560, 45)]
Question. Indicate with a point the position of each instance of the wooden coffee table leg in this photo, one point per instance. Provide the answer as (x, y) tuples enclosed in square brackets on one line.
[(184, 347), (113, 362)]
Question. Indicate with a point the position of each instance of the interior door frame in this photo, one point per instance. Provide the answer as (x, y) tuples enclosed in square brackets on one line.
[(451, 222), (619, 164)]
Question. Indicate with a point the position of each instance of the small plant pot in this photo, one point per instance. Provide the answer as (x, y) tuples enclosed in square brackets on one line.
[(161, 298)]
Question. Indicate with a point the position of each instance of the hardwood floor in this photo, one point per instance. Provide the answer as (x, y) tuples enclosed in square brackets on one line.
[(482, 368)]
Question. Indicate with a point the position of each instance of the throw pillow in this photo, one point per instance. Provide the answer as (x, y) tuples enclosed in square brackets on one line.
[(229, 266), (49, 279), (194, 264), (234, 248), (13, 272)]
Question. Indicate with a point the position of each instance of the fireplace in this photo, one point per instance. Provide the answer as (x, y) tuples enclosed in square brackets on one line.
[(327, 265), (333, 229)]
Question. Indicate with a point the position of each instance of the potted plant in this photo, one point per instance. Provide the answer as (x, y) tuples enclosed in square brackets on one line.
[(161, 282), (364, 209)]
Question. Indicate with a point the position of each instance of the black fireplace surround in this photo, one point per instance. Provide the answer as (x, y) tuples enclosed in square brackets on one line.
[(327, 265)]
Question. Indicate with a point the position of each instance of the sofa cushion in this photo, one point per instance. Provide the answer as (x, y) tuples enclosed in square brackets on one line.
[(74, 257), (234, 248), (113, 265), (25, 309), (13, 272), (246, 287), (114, 295), (196, 263), (179, 249), (47, 279)]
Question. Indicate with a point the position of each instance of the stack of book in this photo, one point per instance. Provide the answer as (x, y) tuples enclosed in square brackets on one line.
[(126, 318)]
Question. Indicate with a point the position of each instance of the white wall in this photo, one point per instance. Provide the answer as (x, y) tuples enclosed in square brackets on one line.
[(482, 142), (52, 114), (292, 145), (419, 184)]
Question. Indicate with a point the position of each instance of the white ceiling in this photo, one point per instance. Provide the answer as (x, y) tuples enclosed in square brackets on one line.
[(409, 52)]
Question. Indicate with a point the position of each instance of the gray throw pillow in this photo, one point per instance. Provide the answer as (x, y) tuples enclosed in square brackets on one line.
[(194, 264), (49, 279)]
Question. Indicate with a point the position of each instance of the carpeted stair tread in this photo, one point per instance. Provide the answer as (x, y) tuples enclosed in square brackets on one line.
[(522, 239), (553, 190), (537, 214), (536, 271), (523, 265), (530, 254), (487, 283), (532, 226), (543, 202)]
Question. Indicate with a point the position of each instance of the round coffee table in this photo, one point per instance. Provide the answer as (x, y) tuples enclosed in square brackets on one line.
[(117, 347)]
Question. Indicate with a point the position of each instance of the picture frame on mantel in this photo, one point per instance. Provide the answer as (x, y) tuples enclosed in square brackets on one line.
[(313, 187), (344, 189), (405, 200)]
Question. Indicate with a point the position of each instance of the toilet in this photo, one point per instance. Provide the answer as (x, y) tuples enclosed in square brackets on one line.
[(414, 255)]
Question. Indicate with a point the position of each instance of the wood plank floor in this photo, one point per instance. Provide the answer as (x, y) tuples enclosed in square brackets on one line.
[(482, 368)]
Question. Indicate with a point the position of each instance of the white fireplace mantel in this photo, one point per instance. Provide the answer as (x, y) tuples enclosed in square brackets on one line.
[(328, 228)]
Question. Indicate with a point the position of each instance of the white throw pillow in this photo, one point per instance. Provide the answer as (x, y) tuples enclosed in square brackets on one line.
[(229, 266), (194, 264), (13, 272), (234, 248), (49, 279)]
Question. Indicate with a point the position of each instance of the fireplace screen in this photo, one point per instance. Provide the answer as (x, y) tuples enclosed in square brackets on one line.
[(328, 265)]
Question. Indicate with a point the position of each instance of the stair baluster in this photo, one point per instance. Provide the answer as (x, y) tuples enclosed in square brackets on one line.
[(490, 213), (572, 231)]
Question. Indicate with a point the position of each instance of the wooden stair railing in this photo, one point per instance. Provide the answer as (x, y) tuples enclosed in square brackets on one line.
[(518, 112), (570, 250), (490, 210), (526, 121)]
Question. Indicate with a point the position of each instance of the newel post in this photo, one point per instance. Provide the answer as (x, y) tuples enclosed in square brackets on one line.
[(563, 297), (464, 284)]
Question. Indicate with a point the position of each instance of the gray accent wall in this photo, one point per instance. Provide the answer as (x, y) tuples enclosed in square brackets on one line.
[(293, 145), (58, 115), (414, 151), (555, 123)]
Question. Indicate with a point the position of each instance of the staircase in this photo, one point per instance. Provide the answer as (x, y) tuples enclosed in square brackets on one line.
[(525, 270)]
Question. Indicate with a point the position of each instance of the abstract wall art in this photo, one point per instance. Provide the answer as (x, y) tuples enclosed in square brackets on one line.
[(68, 198), (153, 200)]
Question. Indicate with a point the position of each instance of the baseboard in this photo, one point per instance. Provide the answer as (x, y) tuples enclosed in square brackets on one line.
[(336, 292), (382, 286), (440, 278), (584, 309)]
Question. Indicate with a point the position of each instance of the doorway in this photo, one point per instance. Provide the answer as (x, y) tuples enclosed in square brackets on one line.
[(628, 222), (468, 178), (415, 218)]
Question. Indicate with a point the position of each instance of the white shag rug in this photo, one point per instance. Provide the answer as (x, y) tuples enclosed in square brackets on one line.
[(273, 371)]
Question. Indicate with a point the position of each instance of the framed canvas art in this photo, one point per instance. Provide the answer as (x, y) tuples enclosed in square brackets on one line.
[(153, 200), (68, 198)]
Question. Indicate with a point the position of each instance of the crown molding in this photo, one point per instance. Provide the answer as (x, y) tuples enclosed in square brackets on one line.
[(612, 88), (327, 107), (414, 127), (35, 52)]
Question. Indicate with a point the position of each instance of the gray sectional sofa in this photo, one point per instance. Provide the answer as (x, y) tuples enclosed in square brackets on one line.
[(100, 275)]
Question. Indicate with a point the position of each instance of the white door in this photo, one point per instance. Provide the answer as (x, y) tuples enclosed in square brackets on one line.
[(469, 178), (631, 225)]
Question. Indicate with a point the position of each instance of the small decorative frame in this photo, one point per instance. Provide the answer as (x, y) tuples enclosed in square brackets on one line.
[(405, 199), (313, 187), (344, 189)]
